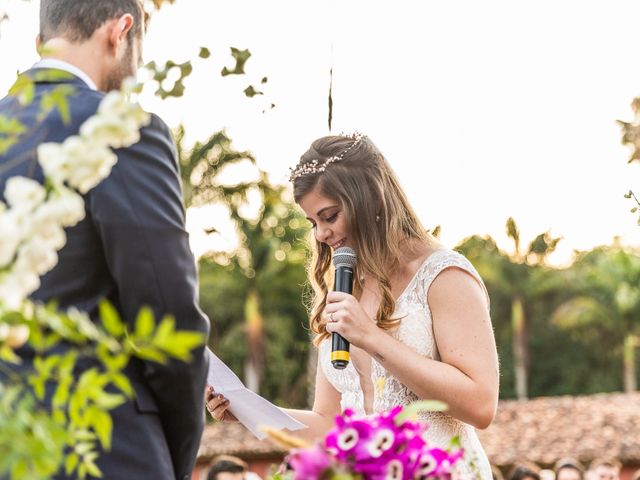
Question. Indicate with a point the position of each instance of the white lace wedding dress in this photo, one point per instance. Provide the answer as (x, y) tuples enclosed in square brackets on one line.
[(416, 331)]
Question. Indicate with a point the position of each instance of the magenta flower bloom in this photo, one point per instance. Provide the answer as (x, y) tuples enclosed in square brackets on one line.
[(436, 463), (375, 447), (309, 463)]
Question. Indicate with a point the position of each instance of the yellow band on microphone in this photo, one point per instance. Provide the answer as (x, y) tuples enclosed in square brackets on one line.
[(340, 355)]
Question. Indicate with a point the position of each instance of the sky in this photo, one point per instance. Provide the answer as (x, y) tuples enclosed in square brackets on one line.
[(485, 110)]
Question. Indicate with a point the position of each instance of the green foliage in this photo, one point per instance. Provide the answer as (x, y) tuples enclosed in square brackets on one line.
[(51, 414), (240, 57), (251, 91), (10, 131), (200, 166), (23, 89), (575, 331), (160, 74)]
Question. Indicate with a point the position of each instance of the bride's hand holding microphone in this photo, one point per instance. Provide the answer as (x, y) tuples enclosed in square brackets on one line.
[(343, 314)]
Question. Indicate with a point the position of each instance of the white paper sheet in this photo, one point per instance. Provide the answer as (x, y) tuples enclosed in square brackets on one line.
[(252, 410)]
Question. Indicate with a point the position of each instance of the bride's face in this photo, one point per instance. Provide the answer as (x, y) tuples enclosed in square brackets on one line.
[(327, 218)]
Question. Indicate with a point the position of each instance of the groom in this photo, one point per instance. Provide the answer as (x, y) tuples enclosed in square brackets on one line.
[(132, 247)]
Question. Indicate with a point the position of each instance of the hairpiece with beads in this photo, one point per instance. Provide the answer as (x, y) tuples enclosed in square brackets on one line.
[(318, 166)]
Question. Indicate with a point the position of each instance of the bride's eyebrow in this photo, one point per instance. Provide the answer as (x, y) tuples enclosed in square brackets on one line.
[(322, 210)]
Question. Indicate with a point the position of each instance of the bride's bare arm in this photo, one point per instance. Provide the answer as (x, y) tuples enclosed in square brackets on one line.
[(326, 406), (319, 419), (466, 378)]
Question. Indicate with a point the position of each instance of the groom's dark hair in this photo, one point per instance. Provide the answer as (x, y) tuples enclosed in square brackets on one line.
[(76, 20)]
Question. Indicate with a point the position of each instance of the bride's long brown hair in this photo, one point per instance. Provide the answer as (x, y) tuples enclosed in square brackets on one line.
[(380, 222)]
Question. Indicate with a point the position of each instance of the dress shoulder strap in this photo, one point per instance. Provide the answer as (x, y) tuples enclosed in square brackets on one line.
[(439, 261)]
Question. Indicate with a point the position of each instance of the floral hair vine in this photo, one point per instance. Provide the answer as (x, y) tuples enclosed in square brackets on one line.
[(318, 166)]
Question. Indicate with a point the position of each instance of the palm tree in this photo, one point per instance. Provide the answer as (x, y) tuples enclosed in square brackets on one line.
[(268, 236), (521, 277), (607, 302)]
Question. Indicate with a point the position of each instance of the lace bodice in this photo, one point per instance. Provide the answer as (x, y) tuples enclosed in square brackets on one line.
[(416, 331)]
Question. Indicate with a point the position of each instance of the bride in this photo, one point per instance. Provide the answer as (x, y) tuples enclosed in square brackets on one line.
[(418, 320)]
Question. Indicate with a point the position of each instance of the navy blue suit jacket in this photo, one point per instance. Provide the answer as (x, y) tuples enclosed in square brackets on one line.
[(132, 249)]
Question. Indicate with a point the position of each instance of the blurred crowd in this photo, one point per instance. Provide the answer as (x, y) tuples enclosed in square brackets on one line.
[(567, 469)]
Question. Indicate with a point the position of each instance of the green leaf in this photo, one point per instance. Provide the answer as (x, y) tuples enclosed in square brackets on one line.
[(411, 411), (149, 353), (8, 355), (111, 319), (455, 443), (102, 425), (71, 463), (23, 89), (92, 468), (251, 92), (122, 383), (182, 343), (57, 99), (109, 401), (241, 57), (165, 331), (145, 324)]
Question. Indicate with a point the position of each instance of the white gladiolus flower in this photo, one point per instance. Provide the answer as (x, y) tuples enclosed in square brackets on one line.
[(111, 130), (64, 207), (18, 336), (37, 255), (116, 104), (11, 292), (48, 229), (53, 160), (10, 237), (81, 162), (89, 164), (24, 193)]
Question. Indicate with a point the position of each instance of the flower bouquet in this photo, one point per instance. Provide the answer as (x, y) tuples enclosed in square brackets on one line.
[(385, 446)]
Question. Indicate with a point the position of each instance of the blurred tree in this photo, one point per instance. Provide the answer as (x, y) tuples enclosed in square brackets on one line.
[(631, 137), (263, 276), (606, 306), (522, 278)]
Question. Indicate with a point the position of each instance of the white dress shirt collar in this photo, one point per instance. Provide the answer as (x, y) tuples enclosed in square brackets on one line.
[(67, 67)]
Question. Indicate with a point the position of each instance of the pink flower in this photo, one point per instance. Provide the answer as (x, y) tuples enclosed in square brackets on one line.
[(309, 463)]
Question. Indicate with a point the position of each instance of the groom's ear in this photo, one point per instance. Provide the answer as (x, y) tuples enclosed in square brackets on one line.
[(38, 42), (118, 31)]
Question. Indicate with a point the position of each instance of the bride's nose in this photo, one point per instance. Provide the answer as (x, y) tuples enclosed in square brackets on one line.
[(322, 234)]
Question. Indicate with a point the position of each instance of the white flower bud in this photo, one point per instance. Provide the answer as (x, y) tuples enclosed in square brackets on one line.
[(11, 291), (10, 236), (53, 161), (24, 193), (36, 255), (18, 336), (64, 207), (89, 164)]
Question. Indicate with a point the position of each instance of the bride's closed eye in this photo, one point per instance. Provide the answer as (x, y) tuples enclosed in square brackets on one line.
[(332, 218)]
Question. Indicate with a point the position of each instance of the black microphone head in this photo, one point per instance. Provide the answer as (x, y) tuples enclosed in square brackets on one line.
[(345, 257)]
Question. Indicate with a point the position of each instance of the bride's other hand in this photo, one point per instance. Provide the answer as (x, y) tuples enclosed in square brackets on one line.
[(218, 406)]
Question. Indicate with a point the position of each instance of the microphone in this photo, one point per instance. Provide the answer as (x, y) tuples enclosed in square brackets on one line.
[(344, 261)]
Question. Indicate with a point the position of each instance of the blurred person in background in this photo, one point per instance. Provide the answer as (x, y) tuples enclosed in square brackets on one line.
[(569, 469), (525, 471), (605, 469)]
